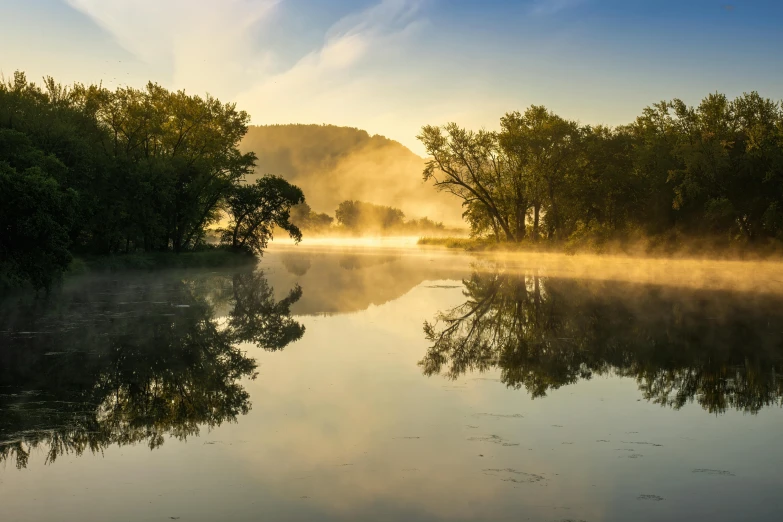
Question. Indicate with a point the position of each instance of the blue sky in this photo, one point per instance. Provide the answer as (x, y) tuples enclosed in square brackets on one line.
[(391, 66)]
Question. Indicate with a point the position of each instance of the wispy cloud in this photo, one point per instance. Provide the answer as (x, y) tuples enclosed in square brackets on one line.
[(208, 46), (204, 45), (339, 81)]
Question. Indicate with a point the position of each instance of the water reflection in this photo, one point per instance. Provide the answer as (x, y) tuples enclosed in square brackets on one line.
[(129, 361), (337, 281), (721, 349)]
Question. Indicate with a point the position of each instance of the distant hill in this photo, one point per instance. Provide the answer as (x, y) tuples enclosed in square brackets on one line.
[(333, 164)]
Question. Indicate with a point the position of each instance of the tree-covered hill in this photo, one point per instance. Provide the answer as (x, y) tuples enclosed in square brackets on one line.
[(333, 164)]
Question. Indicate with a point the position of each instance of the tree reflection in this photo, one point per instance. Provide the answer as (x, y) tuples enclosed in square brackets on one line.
[(123, 362), (722, 349)]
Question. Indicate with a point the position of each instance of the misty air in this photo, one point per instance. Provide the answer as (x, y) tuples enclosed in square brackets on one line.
[(391, 260)]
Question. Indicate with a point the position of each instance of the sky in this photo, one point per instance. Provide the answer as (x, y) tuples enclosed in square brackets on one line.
[(392, 66)]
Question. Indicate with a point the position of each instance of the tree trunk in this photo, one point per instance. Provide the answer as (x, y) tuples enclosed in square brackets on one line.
[(521, 211), (234, 237), (503, 224), (536, 219), (554, 222)]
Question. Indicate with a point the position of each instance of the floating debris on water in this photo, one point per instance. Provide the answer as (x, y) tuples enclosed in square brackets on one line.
[(654, 498), (519, 477), (643, 443), (494, 439), (720, 472)]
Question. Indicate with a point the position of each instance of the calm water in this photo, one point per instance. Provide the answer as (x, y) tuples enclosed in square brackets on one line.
[(390, 384)]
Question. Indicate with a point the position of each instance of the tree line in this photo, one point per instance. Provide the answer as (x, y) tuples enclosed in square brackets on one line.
[(715, 170), (91, 171), (361, 217)]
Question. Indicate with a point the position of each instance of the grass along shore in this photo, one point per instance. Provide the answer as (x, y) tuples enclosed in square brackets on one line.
[(664, 246)]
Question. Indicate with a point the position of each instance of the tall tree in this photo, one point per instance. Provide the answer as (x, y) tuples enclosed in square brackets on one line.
[(255, 209), (542, 150), (470, 166)]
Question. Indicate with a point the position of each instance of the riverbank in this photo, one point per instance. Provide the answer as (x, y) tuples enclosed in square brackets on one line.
[(658, 247), (208, 258)]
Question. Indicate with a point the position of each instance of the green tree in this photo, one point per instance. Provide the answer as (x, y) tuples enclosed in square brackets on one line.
[(255, 209), (541, 150), (308, 220), (360, 216), (117, 172), (715, 171), (35, 213), (470, 165)]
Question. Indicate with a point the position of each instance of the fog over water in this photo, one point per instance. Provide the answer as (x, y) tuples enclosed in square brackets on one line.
[(374, 379)]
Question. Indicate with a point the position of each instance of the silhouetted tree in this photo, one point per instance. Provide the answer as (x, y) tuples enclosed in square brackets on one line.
[(90, 171), (255, 209), (714, 170)]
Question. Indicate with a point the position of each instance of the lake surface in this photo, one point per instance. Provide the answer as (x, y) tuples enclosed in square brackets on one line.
[(398, 384)]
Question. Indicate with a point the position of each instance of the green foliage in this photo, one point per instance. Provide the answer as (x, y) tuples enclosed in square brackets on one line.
[(424, 224), (308, 220), (451, 242), (255, 209), (35, 213), (90, 171), (715, 170), (358, 215)]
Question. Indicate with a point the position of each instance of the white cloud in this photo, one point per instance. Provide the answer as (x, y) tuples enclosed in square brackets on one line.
[(343, 81), (366, 72), (204, 45)]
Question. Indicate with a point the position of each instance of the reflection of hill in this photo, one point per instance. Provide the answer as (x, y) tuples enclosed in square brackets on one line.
[(722, 349), (342, 281), (334, 164), (122, 362)]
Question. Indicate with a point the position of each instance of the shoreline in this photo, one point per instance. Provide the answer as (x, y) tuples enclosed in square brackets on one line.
[(147, 261), (648, 248)]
